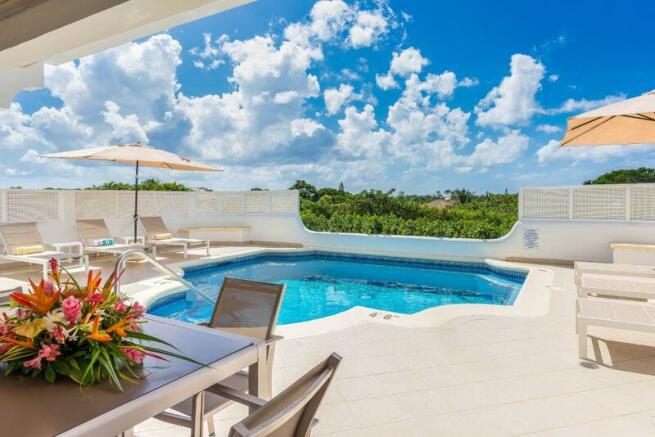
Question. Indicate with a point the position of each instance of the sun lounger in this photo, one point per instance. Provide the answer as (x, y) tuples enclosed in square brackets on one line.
[(613, 269), (246, 308), (159, 235), (97, 238), (290, 413), (630, 287), (22, 243), (8, 286), (631, 316)]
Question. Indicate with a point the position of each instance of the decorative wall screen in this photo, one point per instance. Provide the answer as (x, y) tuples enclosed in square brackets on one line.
[(634, 202), (59, 205)]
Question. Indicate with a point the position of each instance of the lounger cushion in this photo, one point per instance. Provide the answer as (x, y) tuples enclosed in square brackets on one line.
[(103, 242), (26, 250), (163, 236)]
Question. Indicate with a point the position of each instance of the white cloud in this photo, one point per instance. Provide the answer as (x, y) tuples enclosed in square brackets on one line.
[(553, 152), (503, 151), (407, 62), (553, 77), (209, 57), (386, 82), (513, 101), (359, 137), (368, 27), (124, 128), (548, 128), (336, 98), (468, 82), (584, 105)]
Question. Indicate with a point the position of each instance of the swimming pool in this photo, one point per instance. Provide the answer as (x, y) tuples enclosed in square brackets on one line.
[(321, 284)]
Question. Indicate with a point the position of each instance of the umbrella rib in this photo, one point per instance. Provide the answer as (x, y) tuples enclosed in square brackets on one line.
[(564, 143), (640, 116)]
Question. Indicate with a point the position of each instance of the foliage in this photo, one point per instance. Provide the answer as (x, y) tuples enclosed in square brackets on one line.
[(622, 176), (86, 333), (387, 212), (151, 184)]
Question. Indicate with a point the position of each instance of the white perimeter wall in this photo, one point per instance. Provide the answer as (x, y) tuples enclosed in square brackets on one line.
[(273, 216)]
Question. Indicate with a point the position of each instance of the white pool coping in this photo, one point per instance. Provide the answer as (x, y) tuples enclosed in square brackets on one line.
[(533, 299)]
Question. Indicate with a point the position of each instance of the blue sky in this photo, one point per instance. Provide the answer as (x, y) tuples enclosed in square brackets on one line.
[(416, 95)]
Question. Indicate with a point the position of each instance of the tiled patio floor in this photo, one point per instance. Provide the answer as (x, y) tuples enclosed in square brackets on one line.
[(473, 376)]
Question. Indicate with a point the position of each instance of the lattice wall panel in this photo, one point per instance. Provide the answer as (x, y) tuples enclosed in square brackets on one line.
[(147, 204), (231, 203), (95, 204), (284, 202), (171, 203), (546, 203), (257, 202), (208, 203), (599, 203), (642, 202), (32, 206)]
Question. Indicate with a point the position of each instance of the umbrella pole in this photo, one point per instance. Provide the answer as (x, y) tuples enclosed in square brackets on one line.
[(136, 201)]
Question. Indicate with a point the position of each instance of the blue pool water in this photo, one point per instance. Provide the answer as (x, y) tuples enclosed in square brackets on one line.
[(321, 285)]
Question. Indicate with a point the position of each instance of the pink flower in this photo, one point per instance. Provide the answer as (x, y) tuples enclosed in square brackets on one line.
[(58, 334), (34, 363), (53, 265), (49, 351), (95, 298), (72, 309), (137, 309), (136, 356), (120, 306), (48, 287), (22, 314)]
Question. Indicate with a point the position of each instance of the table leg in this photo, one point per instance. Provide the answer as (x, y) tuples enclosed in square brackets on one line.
[(258, 383), (197, 414)]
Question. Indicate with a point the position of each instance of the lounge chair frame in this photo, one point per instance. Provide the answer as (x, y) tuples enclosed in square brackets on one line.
[(14, 235), (155, 225), (95, 229)]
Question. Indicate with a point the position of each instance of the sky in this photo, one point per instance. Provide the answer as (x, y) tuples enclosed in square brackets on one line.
[(414, 95)]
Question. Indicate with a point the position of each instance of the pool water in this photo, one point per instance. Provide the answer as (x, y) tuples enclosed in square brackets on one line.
[(323, 285)]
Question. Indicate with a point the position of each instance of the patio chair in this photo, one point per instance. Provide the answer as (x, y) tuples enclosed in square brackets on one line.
[(97, 238), (159, 235), (22, 243), (617, 286), (246, 308), (583, 267), (8, 286), (631, 316), (290, 413)]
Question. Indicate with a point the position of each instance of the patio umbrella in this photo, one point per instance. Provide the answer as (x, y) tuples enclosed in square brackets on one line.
[(630, 121), (139, 155)]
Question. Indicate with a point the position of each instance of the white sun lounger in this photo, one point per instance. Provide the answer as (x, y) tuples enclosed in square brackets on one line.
[(630, 287), (20, 236), (159, 235), (8, 286), (582, 267), (94, 230), (612, 314)]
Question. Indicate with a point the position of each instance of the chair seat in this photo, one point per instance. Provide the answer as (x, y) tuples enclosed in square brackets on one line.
[(213, 402)]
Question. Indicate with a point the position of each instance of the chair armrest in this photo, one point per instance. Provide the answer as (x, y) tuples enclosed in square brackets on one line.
[(236, 396), (273, 339), (314, 422)]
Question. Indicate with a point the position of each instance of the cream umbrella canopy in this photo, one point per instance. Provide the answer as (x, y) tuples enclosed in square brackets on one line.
[(139, 155), (630, 121)]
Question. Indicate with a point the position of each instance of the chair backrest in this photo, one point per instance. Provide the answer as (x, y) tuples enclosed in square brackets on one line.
[(154, 226), (5, 294), (92, 230), (291, 413), (247, 307), (15, 235)]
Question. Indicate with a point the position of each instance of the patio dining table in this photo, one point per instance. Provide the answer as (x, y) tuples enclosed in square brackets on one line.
[(32, 407)]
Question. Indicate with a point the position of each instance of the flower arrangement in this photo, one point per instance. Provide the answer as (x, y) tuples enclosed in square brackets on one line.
[(87, 333)]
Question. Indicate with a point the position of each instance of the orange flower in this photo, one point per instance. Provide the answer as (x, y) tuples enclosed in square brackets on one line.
[(40, 300), (29, 344), (120, 327), (96, 334)]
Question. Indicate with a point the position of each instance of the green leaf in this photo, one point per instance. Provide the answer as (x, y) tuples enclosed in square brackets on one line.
[(61, 367), (146, 337), (171, 354), (50, 374)]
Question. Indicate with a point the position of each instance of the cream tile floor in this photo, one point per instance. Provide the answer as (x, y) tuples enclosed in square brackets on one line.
[(473, 376)]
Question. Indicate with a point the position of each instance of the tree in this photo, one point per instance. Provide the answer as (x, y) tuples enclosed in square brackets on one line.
[(625, 176), (462, 195), (307, 190), (151, 184)]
